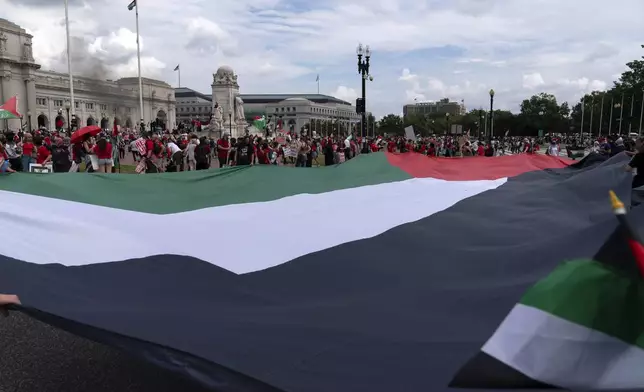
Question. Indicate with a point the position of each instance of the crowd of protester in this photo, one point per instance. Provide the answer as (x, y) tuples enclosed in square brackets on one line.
[(155, 152)]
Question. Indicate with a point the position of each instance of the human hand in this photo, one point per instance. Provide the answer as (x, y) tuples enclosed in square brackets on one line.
[(5, 300)]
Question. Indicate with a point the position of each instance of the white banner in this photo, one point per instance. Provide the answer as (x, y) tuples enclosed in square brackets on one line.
[(409, 133)]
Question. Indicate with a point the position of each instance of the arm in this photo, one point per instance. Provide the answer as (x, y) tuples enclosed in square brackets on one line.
[(6, 300)]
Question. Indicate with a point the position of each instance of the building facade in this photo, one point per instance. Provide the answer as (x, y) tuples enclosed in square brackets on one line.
[(294, 111), (440, 107), (44, 97)]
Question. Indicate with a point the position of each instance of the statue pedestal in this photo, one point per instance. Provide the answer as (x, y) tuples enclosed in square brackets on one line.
[(241, 129)]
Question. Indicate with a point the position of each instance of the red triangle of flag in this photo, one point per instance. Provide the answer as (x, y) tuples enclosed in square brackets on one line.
[(638, 253), (11, 106)]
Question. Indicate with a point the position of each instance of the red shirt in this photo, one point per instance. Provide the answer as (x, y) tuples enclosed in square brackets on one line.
[(42, 154), (431, 151), (262, 156), (391, 146), (374, 147), (105, 153), (222, 154), (149, 146), (28, 149), (480, 151)]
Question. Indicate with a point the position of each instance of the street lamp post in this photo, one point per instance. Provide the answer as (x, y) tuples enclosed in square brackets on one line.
[(230, 124), (69, 125), (363, 71), (447, 122), (29, 120), (491, 114)]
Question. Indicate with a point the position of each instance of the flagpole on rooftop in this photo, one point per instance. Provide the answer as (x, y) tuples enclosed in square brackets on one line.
[(178, 69), (69, 62)]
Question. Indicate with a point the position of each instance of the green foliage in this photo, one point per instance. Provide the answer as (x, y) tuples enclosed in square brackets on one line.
[(622, 103)]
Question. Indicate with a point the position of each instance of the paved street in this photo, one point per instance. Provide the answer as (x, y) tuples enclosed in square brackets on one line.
[(38, 358)]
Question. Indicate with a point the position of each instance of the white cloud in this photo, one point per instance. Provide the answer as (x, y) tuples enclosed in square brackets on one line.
[(407, 76), (532, 81), (346, 93), (422, 49), (121, 40)]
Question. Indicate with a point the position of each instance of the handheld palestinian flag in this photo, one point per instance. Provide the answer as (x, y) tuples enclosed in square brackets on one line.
[(9, 109), (582, 327), (260, 122)]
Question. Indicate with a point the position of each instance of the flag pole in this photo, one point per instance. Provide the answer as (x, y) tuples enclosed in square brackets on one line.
[(583, 108), (621, 114), (601, 116), (138, 58), (630, 120), (69, 63), (610, 120), (634, 240), (179, 75), (642, 112), (592, 112)]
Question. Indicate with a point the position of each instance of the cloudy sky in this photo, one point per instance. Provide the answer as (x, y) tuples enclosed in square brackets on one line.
[(422, 49)]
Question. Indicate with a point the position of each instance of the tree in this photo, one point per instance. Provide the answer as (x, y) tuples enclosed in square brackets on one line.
[(391, 124), (542, 112)]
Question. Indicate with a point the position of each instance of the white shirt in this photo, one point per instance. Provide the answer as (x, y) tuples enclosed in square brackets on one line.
[(553, 150), (173, 147)]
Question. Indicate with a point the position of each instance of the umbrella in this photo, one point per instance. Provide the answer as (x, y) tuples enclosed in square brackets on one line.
[(91, 130)]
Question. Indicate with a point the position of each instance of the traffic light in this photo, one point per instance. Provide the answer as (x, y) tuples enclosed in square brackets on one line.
[(360, 106)]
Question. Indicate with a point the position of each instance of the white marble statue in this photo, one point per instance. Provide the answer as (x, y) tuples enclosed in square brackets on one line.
[(217, 121), (239, 110)]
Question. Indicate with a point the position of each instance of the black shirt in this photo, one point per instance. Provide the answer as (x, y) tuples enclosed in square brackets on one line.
[(244, 154), (637, 162)]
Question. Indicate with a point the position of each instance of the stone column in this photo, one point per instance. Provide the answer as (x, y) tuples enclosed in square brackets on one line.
[(30, 89), (5, 91)]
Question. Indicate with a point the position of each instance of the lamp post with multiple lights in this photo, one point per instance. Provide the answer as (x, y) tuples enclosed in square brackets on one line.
[(361, 103)]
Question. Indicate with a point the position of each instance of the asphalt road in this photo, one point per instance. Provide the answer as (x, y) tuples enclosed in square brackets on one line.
[(35, 357)]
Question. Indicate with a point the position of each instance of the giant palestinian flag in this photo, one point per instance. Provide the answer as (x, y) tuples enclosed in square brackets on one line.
[(386, 273)]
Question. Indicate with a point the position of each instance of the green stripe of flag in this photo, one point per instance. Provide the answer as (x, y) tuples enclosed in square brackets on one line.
[(593, 295), (186, 191), (5, 115)]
